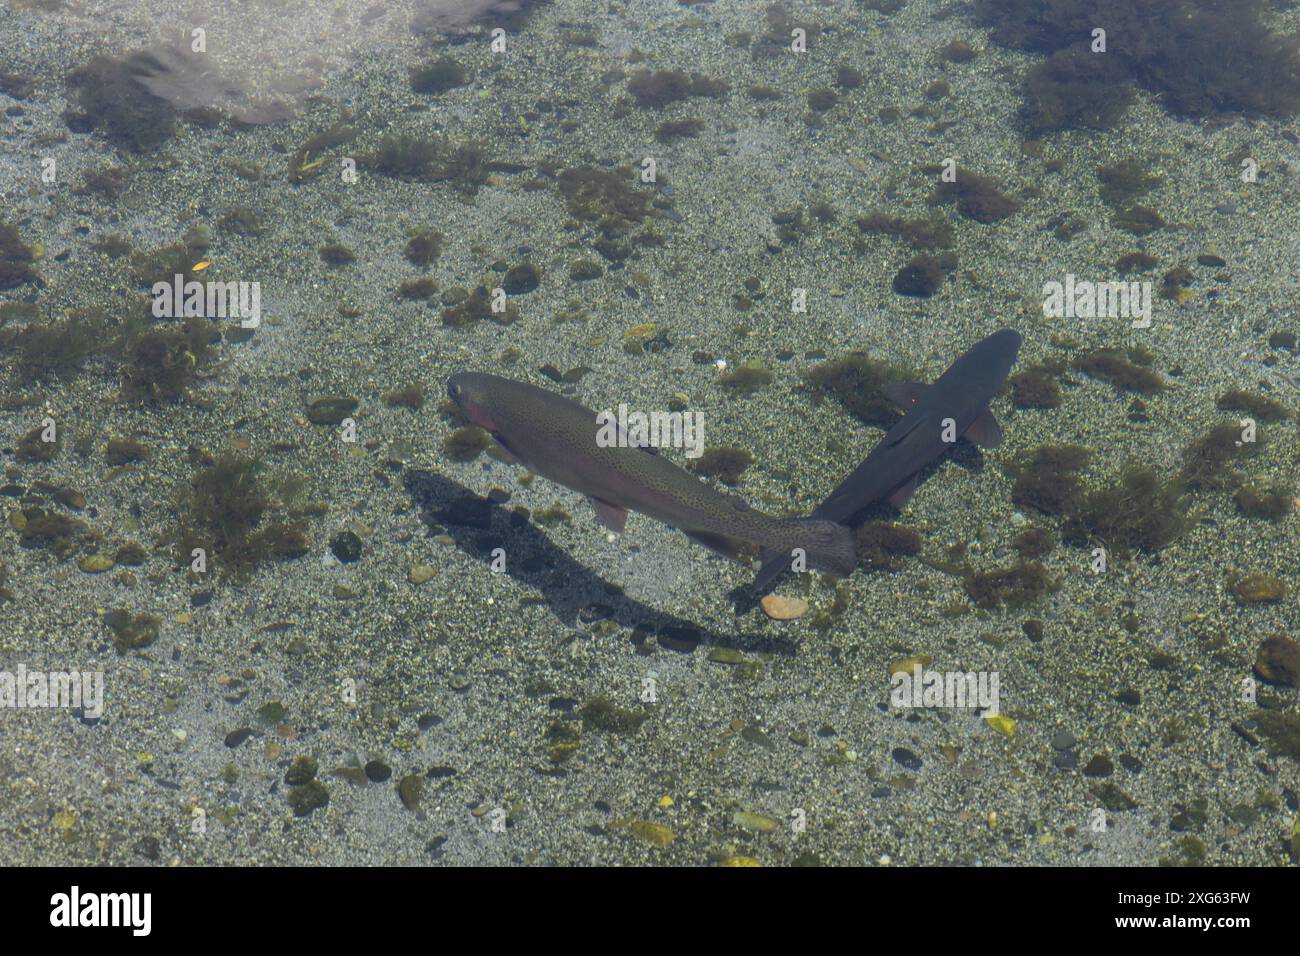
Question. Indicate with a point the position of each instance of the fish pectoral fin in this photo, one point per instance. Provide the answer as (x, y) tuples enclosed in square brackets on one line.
[(985, 431), (901, 495), (720, 544), (506, 453), (611, 516), (904, 394)]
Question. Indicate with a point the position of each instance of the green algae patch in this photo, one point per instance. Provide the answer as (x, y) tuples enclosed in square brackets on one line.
[(466, 444), (308, 798)]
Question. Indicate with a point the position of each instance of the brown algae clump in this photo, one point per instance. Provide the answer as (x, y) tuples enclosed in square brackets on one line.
[(1273, 503), (603, 197), (412, 397), (131, 631), (921, 234), (438, 76), (1197, 56), (39, 444), (655, 90), (1036, 386), (1034, 542), (1048, 478), (237, 519), (470, 308), (1257, 589), (15, 259), (1126, 181), (882, 544), (1207, 462), (725, 464), (160, 363), (57, 349), (1256, 406), (465, 444), (1074, 89), (857, 381), (124, 451), (423, 247), (1117, 367), (921, 276), (602, 715), (745, 379), (1139, 510), (977, 197), (1011, 587)]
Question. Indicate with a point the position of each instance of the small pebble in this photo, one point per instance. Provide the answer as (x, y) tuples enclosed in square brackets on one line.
[(783, 609), (1063, 740)]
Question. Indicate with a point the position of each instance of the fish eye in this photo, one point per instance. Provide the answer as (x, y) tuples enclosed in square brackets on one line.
[(453, 390)]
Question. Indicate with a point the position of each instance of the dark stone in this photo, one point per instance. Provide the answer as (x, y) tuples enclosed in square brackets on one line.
[(346, 547), (906, 758)]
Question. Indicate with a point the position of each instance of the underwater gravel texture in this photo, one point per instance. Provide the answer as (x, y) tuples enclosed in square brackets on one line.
[(459, 680)]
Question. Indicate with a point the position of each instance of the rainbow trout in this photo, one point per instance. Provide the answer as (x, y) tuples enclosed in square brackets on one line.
[(557, 438)]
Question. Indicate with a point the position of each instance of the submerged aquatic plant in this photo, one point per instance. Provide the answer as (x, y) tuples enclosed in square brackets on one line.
[(238, 518), (1198, 56), (57, 349), (15, 259)]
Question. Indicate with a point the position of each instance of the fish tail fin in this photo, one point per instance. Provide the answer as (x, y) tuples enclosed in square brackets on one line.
[(829, 546)]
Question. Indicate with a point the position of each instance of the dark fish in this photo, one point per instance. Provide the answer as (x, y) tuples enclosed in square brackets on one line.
[(556, 437), (893, 468)]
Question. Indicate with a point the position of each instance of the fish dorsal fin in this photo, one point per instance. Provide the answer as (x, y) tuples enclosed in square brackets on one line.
[(611, 516), (904, 394), (901, 495), (985, 431), (604, 420)]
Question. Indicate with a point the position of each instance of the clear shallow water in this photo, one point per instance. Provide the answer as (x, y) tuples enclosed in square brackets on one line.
[(340, 676)]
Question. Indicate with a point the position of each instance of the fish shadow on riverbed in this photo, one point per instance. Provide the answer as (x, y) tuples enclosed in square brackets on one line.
[(572, 592)]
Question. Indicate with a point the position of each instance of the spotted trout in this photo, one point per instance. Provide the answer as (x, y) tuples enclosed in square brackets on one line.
[(556, 437)]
